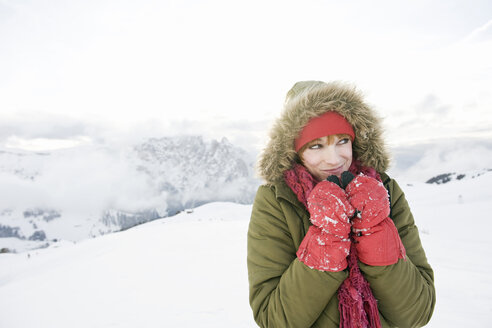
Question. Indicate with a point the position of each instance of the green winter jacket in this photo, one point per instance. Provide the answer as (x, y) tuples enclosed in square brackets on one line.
[(284, 292)]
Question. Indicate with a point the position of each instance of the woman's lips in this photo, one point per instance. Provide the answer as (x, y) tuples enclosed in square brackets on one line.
[(335, 171)]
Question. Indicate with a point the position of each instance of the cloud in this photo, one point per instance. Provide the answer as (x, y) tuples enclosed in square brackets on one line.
[(162, 68), (481, 34), (82, 181), (45, 144), (28, 124), (422, 161), (249, 134), (431, 105)]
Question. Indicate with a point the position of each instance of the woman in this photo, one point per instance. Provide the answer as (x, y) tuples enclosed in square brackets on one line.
[(332, 241)]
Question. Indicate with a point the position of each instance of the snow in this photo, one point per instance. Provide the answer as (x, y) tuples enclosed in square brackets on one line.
[(330, 220), (190, 270)]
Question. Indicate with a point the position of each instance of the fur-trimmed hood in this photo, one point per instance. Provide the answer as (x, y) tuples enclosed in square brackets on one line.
[(309, 99)]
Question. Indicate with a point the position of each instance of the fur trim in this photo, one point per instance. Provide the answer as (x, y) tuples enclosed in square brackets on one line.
[(310, 99)]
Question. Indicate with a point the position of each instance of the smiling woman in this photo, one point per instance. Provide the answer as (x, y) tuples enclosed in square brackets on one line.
[(332, 241)]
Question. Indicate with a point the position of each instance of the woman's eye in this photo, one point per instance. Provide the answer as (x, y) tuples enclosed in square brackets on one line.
[(315, 146), (343, 141)]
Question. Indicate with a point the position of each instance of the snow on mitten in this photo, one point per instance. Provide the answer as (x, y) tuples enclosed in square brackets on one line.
[(327, 244), (370, 198), (377, 239), (324, 251), (330, 209)]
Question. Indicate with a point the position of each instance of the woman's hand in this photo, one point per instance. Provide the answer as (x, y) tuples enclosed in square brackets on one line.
[(330, 209), (327, 243), (323, 251), (377, 240)]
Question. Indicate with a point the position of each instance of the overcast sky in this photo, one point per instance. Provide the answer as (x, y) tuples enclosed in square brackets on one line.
[(75, 72)]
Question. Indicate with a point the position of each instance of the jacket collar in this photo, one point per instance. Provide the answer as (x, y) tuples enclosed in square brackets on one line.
[(282, 190)]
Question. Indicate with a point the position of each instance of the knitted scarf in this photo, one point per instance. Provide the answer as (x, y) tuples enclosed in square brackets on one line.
[(357, 305)]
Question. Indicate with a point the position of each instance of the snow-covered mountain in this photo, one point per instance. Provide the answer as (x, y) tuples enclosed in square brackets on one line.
[(193, 172), (88, 191), (190, 270)]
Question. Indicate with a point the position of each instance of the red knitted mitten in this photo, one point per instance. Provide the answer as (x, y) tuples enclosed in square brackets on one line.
[(323, 251), (327, 244), (377, 240)]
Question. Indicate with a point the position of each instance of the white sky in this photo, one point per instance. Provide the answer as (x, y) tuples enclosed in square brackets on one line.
[(72, 71)]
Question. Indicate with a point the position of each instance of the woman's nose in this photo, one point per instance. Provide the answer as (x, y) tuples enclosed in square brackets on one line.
[(330, 155)]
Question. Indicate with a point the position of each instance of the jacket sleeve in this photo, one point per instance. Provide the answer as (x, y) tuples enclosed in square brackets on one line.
[(405, 290), (283, 292)]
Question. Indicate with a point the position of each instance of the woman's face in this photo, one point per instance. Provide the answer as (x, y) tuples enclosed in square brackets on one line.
[(327, 156)]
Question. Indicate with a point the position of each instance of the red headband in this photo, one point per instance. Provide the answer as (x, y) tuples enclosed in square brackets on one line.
[(327, 124)]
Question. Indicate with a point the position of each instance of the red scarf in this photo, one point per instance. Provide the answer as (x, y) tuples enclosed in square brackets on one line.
[(357, 305)]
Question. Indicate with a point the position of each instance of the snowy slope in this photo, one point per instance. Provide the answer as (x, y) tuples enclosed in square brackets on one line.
[(453, 220), (185, 271), (190, 270)]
